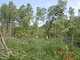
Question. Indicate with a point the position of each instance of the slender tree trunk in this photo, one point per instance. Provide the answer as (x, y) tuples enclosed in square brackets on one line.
[(9, 28), (3, 42), (50, 27), (55, 31), (72, 36), (72, 21), (3, 29), (37, 36), (62, 38)]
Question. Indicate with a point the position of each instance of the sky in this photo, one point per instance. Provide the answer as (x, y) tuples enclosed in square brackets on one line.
[(45, 3)]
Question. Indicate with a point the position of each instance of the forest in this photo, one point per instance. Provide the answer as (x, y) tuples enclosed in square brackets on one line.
[(21, 37)]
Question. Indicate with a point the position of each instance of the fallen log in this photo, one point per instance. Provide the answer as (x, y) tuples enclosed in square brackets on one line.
[(4, 46), (3, 42)]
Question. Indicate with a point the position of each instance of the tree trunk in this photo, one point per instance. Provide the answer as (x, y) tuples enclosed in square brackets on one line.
[(46, 37), (7, 26), (62, 38), (3, 29), (3, 42), (72, 36), (10, 25)]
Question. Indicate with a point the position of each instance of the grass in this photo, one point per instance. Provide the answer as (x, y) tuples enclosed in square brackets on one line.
[(40, 49)]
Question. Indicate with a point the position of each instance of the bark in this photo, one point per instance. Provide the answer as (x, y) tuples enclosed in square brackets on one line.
[(72, 36), (9, 29), (46, 37), (3, 29), (50, 27), (62, 37), (3, 42)]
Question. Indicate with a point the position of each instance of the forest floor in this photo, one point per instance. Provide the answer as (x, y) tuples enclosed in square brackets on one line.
[(42, 49)]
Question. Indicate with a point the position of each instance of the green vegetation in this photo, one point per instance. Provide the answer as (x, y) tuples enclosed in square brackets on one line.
[(33, 42), (40, 49)]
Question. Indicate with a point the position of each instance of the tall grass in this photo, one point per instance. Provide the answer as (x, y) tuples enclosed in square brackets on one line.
[(41, 49)]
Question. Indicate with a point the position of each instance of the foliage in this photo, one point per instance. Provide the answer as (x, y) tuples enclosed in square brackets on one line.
[(23, 23), (40, 49)]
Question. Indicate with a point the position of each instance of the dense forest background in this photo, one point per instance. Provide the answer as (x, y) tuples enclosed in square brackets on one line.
[(23, 23)]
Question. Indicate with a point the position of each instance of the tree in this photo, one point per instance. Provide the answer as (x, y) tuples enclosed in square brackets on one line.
[(35, 28), (3, 16), (25, 16), (62, 27), (71, 12), (12, 14), (56, 11), (40, 15), (76, 28), (79, 17)]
